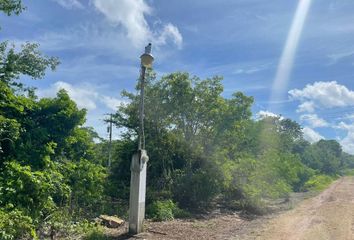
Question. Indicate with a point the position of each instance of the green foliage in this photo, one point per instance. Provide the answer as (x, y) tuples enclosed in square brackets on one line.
[(31, 191), (195, 190), (46, 157), (161, 210), (325, 155), (253, 181), (202, 145), (348, 172), (11, 6), (318, 183), (60, 225), (90, 231), (165, 210), (86, 181), (15, 225), (29, 61), (186, 118)]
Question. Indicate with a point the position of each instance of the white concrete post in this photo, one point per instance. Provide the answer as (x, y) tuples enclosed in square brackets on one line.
[(139, 160), (137, 192)]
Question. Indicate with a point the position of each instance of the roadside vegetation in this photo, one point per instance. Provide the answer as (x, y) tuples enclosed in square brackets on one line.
[(204, 150)]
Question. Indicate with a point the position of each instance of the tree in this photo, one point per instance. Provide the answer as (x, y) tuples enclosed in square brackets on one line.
[(11, 7), (29, 61), (47, 160), (324, 155), (186, 120)]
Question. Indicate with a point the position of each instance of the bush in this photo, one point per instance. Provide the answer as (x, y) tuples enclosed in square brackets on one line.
[(256, 181), (196, 190), (91, 231), (58, 223), (318, 183), (165, 210), (348, 172), (181, 213), (86, 180), (161, 210), (15, 225)]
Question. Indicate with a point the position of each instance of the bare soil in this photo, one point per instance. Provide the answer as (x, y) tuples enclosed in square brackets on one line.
[(329, 215)]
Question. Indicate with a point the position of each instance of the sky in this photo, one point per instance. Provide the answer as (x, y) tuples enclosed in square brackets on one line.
[(296, 58)]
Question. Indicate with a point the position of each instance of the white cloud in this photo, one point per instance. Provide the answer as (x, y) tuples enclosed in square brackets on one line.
[(347, 116), (335, 57), (348, 141), (111, 102), (92, 37), (131, 16), (251, 69), (245, 67), (314, 120), (126, 40), (322, 95), (170, 32), (344, 126), (263, 114), (306, 107), (311, 135), (85, 96), (326, 95), (69, 4)]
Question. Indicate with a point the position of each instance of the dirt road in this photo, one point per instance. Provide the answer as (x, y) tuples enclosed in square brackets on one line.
[(329, 215)]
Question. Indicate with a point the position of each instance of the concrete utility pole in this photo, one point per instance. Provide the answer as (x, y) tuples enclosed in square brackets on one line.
[(139, 159)]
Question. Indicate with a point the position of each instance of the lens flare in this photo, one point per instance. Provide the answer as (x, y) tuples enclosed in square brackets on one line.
[(287, 58)]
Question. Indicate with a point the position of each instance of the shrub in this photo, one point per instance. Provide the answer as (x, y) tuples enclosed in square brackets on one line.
[(15, 225), (196, 190), (181, 213), (31, 191), (318, 183), (348, 172), (91, 231), (161, 210), (58, 223), (257, 180), (86, 181), (165, 210)]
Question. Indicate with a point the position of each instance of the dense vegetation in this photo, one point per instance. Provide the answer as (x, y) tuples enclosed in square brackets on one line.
[(204, 148)]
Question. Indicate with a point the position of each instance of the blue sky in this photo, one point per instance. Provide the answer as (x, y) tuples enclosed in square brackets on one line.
[(99, 43)]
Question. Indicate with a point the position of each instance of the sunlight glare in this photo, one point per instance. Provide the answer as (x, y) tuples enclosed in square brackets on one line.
[(287, 58)]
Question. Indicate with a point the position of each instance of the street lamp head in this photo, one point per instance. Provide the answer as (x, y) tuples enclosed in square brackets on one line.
[(147, 58)]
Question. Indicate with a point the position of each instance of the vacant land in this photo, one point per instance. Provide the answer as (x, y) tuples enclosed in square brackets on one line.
[(329, 215)]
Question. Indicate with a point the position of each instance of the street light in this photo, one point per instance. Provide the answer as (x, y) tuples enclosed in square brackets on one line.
[(139, 159), (146, 62), (147, 58)]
